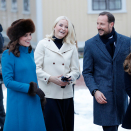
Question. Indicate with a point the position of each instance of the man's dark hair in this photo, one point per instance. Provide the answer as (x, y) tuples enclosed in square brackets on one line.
[(110, 16)]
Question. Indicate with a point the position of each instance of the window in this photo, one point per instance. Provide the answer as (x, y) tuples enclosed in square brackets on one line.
[(26, 6), (14, 5), (106, 5), (113, 6), (99, 4), (3, 4)]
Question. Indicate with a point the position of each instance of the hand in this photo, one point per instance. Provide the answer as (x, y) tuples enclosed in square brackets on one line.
[(57, 80), (69, 78), (100, 98), (32, 89), (41, 94), (66, 79)]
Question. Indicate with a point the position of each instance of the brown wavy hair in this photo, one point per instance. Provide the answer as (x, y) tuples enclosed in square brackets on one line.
[(13, 47), (127, 64)]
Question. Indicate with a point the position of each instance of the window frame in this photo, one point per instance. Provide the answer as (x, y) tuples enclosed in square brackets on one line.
[(91, 11)]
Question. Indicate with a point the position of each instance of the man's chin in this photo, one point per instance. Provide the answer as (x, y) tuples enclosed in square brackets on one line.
[(101, 34)]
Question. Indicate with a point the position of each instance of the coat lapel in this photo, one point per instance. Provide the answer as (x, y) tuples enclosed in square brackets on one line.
[(118, 45), (65, 47), (102, 46), (51, 45)]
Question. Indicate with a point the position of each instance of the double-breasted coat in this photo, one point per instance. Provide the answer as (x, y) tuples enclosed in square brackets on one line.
[(23, 112), (106, 74), (51, 61)]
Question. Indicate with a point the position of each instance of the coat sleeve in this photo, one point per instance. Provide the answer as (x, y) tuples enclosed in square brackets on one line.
[(74, 66), (88, 68), (8, 68), (39, 60)]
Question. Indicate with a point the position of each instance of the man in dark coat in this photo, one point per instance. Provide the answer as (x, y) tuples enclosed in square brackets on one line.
[(2, 111), (103, 72)]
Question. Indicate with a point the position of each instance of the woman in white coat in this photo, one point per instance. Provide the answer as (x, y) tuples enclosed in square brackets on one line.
[(57, 56)]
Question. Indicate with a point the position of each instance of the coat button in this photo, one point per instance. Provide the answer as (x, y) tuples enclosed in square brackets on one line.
[(63, 64), (53, 62), (45, 78), (48, 40)]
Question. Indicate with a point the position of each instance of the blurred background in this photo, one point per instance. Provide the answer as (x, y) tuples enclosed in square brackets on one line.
[(83, 14)]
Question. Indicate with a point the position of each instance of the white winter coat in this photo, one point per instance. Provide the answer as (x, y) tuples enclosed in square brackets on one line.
[(51, 61)]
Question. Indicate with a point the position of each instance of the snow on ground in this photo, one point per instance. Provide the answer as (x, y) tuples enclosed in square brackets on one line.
[(5, 96), (81, 64)]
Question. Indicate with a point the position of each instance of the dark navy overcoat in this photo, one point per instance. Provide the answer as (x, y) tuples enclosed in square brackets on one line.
[(102, 72)]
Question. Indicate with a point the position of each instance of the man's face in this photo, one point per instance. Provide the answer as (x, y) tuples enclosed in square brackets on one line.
[(103, 26)]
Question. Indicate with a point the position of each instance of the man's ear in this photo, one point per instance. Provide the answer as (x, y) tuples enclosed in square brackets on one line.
[(111, 24)]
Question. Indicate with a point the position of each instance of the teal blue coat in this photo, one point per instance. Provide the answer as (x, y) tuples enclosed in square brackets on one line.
[(23, 112)]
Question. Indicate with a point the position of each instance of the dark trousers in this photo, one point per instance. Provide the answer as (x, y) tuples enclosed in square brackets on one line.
[(59, 114), (2, 111), (110, 128)]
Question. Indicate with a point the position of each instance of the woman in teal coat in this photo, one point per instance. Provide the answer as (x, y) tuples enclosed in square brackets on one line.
[(24, 99)]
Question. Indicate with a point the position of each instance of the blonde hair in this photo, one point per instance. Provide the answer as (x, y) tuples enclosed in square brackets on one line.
[(70, 37), (75, 37)]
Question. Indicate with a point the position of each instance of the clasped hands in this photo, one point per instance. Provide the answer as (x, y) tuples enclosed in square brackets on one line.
[(57, 80)]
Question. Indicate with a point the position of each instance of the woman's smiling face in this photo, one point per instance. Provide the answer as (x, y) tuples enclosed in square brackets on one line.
[(61, 29), (25, 40)]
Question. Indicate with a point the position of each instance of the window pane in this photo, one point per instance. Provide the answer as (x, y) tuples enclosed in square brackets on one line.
[(26, 5), (102, 6), (14, 4), (114, 4), (118, 5), (3, 4), (96, 7), (111, 5), (99, 4)]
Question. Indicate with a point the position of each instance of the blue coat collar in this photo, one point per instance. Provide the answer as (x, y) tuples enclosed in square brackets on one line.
[(23, 49)]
